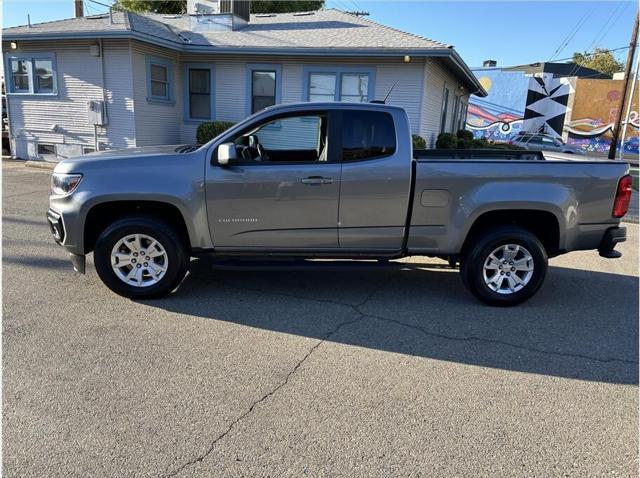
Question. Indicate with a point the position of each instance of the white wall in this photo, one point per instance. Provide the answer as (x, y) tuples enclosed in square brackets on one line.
[(231, 77), (436, 78), (155, 122), (80, 79)]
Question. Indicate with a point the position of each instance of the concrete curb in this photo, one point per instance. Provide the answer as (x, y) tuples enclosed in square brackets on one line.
[(40, 164)]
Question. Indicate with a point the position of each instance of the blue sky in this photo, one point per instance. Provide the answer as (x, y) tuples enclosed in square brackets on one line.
[(511, 32)]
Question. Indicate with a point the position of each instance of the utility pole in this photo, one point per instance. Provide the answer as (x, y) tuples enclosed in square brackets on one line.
[(79, 8), (625, 88)]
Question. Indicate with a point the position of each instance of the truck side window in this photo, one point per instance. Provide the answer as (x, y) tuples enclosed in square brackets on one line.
[(367, 135), (299, 139)]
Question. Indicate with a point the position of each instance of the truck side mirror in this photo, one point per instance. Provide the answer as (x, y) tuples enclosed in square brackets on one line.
[(226, 153)]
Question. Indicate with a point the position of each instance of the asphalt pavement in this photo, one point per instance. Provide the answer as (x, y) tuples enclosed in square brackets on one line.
[(358, 372)]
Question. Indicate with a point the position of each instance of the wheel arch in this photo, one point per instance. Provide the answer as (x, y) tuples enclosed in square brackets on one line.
[(101, 214), (543, 223)]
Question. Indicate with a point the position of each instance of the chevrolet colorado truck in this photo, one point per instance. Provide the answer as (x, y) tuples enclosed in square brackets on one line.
[(333, 180)]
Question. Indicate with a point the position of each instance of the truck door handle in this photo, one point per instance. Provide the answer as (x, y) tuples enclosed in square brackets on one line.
[(313, 180)]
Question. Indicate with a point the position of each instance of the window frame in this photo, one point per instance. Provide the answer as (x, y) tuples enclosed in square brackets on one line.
[(249, 69), (31, 58), (165, 63), (40, 155), (444, 109), (187, 84), (334, 146), (338, 72)]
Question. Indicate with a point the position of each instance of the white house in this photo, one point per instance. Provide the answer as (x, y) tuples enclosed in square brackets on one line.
[(124, 80)]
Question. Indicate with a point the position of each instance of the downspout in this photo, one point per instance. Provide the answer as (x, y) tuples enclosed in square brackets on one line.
[(104, 98)]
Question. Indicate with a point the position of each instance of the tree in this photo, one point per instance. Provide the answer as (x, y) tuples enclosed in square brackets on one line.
[(601, 60), (257, 6), (276, 6), (170, 7)]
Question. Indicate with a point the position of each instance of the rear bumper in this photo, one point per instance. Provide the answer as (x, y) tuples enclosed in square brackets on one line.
[(611, 237)]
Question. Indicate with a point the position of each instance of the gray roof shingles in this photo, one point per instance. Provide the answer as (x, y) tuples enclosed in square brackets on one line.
[(328, 28)]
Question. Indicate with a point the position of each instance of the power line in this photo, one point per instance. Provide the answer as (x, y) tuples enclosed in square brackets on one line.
[(565, 41), (100, 3)]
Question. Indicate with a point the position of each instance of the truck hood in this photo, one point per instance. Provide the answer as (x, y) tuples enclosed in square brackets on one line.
[(137, 154)]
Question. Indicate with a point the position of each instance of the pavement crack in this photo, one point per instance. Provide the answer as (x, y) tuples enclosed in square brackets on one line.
[(502, 343), (264, 397)]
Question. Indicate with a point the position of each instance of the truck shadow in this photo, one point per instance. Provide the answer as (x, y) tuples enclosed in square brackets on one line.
[(581, 324)]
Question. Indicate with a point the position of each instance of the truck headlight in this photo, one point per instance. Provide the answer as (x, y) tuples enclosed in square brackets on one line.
[(63, 184)]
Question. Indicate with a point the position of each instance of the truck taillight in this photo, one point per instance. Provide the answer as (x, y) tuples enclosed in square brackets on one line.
[(623, 196)]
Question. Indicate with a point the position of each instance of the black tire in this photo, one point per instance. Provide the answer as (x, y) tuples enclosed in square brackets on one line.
[(472, 264), (178, 260)]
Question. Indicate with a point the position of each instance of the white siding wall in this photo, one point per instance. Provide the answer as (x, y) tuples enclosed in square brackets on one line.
[(436, 77), (79, 78), (156, 123), (231, 77)]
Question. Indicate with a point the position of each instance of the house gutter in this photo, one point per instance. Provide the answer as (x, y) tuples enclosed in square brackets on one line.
[(444, 52)]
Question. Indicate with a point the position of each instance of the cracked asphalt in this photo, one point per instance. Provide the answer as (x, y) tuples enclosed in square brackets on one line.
[(340, 371)]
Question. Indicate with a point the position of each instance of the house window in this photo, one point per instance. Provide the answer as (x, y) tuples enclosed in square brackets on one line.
[(159, 79), (32, 75), (348, 86), (456, 113), (46, 149), (199, 93), (88, 149), (354, 87), (322, 87), (463, 115), (445, 108), (263, 89), (263, 86)]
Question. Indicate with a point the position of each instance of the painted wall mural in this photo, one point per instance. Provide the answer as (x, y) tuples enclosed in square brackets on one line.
[(593, 113), (499, 116), (582, 111), (546, 106)]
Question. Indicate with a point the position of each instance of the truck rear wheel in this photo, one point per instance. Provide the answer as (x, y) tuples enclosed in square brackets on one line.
[(140, 258), (505, 266)]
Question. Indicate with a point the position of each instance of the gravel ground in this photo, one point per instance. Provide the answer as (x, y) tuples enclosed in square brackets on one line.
[(334, 372)]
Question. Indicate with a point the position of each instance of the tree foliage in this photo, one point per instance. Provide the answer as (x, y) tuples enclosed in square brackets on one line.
[(257, 6), (170, 7), (276, 6), (601, 60)]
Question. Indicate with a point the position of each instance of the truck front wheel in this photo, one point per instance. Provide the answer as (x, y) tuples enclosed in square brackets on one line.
[(504, 266), (140, 257)]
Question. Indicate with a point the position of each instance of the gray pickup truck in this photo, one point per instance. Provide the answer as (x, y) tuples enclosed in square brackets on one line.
[(333, 180)]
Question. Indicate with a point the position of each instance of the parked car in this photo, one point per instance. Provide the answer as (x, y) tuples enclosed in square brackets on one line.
[(333, 180), (544, 142)]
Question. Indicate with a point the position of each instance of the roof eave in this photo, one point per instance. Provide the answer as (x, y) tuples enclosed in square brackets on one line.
[(472, 82)]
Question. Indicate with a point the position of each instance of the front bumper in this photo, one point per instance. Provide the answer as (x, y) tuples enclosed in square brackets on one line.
[(56, 225), (611, 237)]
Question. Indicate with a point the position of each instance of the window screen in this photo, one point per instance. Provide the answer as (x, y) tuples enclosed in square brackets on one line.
[(44, 76), (20, 75), (322, 87), (46, 149), (367, 135)]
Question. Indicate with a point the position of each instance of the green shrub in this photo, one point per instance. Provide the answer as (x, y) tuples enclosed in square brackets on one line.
[(418, 142), (209, 130), (447, 141), (465, 135)]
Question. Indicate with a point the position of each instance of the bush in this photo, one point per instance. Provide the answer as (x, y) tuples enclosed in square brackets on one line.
[(465, 134), (209, 130), (447, 141), (418, 142)]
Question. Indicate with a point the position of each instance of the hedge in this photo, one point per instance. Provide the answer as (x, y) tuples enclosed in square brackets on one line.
[(209, 130)]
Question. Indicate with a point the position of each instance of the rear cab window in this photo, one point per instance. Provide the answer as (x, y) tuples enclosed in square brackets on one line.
[(367, 135)]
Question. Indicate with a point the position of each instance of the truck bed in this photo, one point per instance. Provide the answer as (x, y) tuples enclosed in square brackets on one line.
[(455, 188)]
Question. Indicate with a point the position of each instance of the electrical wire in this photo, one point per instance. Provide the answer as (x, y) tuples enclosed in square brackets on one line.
[(567, 39)]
